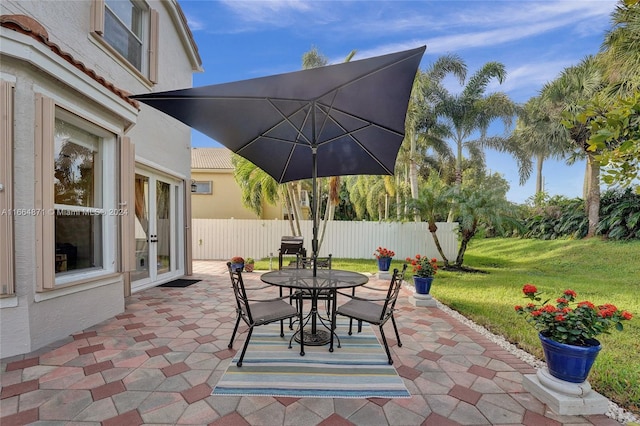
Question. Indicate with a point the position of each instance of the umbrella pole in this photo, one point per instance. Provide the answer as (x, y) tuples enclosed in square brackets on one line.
[(314, 209), (314, 188)]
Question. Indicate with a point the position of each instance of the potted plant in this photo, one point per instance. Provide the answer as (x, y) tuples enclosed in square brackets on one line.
[(384, 257), (424, 269), (568, 334), (237, 263), (249, 264)]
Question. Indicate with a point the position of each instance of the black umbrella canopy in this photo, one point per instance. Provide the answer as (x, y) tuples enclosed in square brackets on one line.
[(352, 112), (344, 119)]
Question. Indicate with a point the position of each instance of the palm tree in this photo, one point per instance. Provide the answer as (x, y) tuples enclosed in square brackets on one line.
[(538, 136), (433, 204), (480, 201), (472, 110), (620, 48), (421, 125), (565, 98), (259, 188)]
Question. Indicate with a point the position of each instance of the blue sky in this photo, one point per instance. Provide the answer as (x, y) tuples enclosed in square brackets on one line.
[(535, 40)]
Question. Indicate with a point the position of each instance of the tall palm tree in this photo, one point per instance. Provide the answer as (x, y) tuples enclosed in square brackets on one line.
[(565, 98), (539, 137), (421, 125), (620, 49), (473, 110)]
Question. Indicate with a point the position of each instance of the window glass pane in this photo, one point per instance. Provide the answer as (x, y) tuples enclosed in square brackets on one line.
[(163, 237), (129, 14), (78, 240), (203, 188), (74, 159), (77, 184), (124, 31)]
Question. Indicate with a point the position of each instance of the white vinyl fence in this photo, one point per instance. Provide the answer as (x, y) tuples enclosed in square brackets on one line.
[(219, 239)]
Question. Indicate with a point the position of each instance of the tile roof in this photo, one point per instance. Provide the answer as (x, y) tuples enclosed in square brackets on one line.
[(211, 158), (29, 26)]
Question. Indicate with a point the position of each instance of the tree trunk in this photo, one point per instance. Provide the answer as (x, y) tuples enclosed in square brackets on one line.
[(386, 206), (458, 176), (593, 195), (328, 215), (413, 171), (466, 237), (398, 199), (585, 185), (289, 204), (433, 228), (539, 181), (296, 209)]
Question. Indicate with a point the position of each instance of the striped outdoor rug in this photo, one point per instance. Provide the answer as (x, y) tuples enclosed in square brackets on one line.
[(359, 369)]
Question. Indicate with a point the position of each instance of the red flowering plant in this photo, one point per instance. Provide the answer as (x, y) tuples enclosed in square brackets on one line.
[(382, 252), (237, 259), (423, 266), (570, 325)]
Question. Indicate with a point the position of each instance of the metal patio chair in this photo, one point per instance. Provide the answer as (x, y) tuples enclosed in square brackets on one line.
[(375, 311), (257, 312)]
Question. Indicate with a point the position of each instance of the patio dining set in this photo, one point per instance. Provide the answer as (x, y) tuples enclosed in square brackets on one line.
[(313, 280)]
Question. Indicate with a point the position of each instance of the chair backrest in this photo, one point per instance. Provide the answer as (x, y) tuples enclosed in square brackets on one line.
[(303, 262), (394, 289), (240, 293)]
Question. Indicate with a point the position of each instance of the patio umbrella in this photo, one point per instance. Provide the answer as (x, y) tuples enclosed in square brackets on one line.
[(343, 119)]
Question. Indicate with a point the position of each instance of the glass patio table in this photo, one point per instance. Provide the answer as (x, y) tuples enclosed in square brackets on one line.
[(325, 280)]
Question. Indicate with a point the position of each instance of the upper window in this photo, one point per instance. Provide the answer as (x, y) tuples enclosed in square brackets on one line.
[(129, 29), (124, 29)]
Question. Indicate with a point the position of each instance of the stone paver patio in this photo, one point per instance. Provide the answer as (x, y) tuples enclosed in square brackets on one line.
[(157, 362)]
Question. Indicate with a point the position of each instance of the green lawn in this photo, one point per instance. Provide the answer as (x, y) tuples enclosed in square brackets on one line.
[(599, 271)]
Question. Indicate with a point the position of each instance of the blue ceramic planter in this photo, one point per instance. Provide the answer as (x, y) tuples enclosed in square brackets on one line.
[(423, 284), (569, 362), (384, 263), (237, 266)]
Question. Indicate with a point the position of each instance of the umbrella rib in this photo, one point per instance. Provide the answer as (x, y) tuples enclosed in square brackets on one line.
[(364, 148), (300, 134), (369, 123)]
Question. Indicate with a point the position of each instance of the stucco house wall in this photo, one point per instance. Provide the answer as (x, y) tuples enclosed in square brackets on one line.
[(54, 65)]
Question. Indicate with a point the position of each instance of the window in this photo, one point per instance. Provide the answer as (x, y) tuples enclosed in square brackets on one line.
[(77, 184), (124, 29), (76, 191), (202, 187), (129, 28)]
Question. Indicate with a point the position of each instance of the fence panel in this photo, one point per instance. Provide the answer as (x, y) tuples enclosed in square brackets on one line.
[(223, 238)]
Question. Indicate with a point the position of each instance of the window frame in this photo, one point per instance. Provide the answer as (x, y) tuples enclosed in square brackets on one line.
[(107, 194), (148, 71), (47, 278), (203, 182), (7, 267)]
